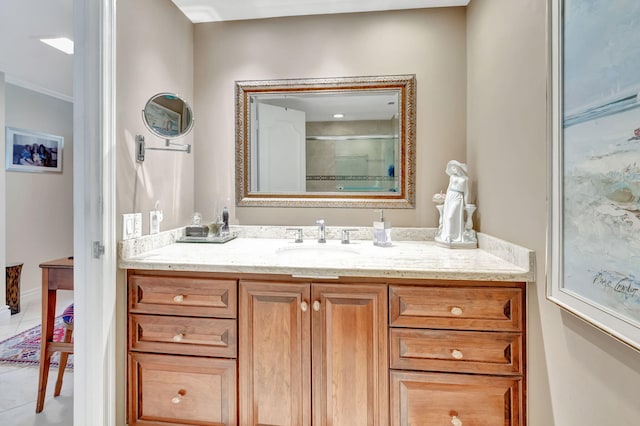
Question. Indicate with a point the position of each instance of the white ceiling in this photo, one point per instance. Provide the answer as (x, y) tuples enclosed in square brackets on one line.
[(29, 63), (24, 59), (233, 10)]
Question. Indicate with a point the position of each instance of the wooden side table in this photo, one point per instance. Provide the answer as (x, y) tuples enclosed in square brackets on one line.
[(56, 275)]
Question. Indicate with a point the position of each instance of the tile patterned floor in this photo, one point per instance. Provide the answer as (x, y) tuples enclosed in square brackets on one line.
[(19, 385)]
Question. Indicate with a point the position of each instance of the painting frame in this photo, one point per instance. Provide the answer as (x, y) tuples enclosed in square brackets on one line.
[(617, 311), (49, 149)]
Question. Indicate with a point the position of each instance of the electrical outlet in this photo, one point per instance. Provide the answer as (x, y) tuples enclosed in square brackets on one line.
[(137, 225)]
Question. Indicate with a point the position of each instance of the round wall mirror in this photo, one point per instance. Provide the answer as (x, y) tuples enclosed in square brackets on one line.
[(168, 116)]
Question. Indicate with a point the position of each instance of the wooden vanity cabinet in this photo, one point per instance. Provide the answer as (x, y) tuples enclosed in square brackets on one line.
[(182, 349), (205, 349), (313, 353), (457, 354)]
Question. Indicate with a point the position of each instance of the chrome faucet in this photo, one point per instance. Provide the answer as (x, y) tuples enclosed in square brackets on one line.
[(321, 231)]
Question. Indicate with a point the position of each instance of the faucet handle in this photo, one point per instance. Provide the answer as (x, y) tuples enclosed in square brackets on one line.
[(298, 234), (345, 235)]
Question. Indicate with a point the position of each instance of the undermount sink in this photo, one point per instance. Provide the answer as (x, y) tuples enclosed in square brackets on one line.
[(317, 249)]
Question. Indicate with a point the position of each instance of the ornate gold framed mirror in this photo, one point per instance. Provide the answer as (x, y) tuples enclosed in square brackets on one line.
[(332, 142)]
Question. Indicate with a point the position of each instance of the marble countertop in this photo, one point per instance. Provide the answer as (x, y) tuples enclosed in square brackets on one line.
[(494, 260)]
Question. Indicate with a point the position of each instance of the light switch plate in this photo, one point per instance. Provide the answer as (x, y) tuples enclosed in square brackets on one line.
[(128, 226), (131, 225)]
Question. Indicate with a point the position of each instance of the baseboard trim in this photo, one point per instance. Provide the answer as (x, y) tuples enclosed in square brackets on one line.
[(5, 313)]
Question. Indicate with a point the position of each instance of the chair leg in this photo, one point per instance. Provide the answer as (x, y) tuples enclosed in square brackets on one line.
[(63, 362), (45, 361)]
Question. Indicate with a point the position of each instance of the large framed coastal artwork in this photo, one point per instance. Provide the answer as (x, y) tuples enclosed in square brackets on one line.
[(594, 246)]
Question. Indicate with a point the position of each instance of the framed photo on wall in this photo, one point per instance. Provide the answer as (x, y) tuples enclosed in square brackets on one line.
[(29, 151), (593, 265)]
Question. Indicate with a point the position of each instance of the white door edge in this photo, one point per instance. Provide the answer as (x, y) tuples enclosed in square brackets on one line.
[(94, 212)]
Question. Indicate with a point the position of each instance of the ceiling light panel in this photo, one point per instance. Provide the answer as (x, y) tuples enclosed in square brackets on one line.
[(61, 43)]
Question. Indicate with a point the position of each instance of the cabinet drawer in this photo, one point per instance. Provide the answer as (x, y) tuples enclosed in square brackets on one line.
[(183, 335), (462, 308), (438, 399), (456, 351), (169, 390), (168, 295)]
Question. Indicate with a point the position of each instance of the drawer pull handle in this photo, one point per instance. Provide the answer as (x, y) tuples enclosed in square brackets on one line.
[(304, 306), (179, 298), (178, 337), (316, 306), (456, 354), (178, 398), (456, 310), (455, 421)]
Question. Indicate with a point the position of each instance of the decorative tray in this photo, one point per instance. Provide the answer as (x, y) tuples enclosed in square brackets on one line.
[(210, 239)]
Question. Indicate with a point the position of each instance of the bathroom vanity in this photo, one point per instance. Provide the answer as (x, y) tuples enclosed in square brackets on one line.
[(267, 331)]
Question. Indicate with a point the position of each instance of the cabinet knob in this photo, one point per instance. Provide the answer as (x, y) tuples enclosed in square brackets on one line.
[(456, 310), (316, 306), (178, 337), (178, 398), (179, 298), (456, 354), (304, 306), (455, 421)]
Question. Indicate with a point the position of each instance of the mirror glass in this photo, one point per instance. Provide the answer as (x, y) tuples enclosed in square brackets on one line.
[(326, 142), (168, 116)]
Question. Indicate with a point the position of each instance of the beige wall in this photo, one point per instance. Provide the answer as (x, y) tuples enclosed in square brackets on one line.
[(39, 206), (154, 54), (430, 43), (577, 374)]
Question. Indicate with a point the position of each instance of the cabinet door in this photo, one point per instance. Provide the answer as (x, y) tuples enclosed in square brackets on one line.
[(350, 355), (274, 354), (441, 399)]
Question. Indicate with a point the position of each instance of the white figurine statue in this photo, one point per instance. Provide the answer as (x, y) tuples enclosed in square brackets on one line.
[(455, 230)]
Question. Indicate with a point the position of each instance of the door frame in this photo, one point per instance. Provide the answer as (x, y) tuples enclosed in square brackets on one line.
[(94, 213)]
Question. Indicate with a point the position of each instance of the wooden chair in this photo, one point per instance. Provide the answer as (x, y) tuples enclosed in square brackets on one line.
[(65, 349)]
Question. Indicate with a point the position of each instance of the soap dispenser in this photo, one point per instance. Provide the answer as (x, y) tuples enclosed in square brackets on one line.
[(225, 221), (382, 232)]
